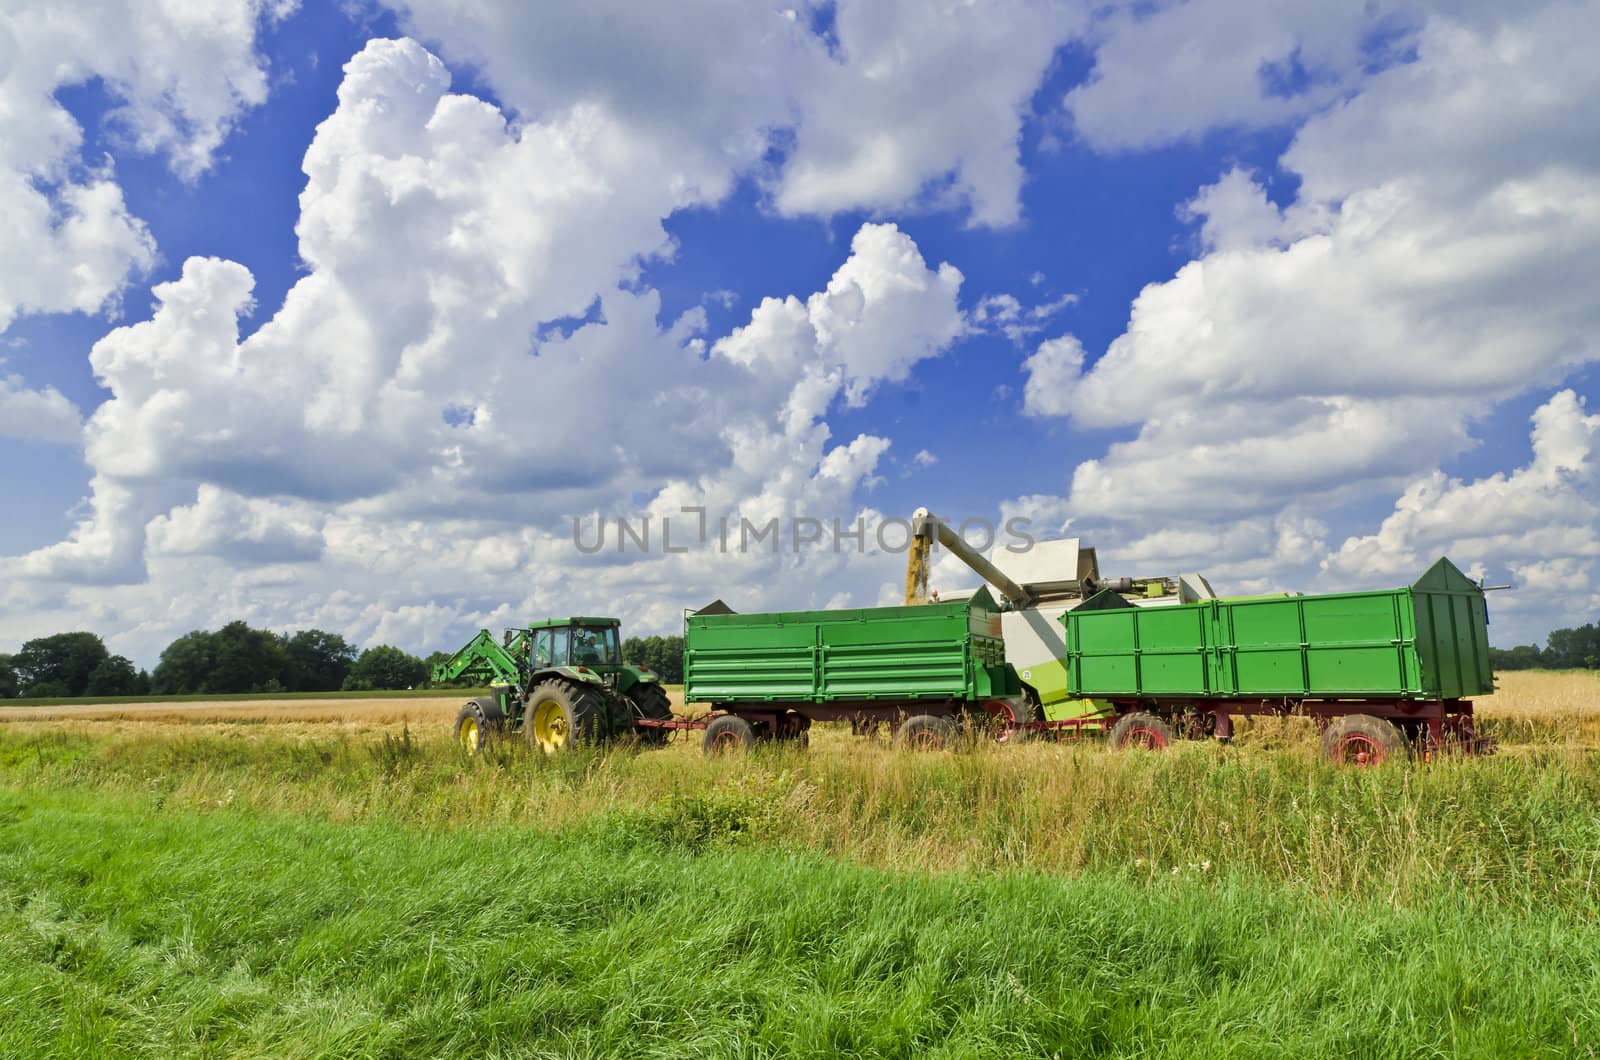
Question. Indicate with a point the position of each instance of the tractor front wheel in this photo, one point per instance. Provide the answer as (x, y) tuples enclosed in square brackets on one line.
[(477, 724), (560, 715)]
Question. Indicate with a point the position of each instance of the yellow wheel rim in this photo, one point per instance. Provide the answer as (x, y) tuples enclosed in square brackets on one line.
[(469, 736), (550, 726)]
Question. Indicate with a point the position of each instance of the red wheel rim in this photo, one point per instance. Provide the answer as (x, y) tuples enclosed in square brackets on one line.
[(1359, 749), (1001, 711), (1146, 738), (925, 740), (725, 741)]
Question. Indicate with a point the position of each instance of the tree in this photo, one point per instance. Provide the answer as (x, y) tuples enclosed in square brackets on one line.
[(1522, 657), (385, 667), (1573, 649), (117, 676), (316, 661), (61, 663), (185, 665), (235, 658), (10, 686), (246, 660), (664, 655)]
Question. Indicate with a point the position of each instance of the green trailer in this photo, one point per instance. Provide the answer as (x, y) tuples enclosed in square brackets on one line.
[(1381, 672), (918, 669)]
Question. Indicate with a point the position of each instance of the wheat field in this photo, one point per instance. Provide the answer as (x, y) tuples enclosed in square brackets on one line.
[(1528, 708), (1266, 804)]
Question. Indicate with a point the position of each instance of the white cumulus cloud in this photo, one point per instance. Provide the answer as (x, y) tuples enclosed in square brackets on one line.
[(1174, 71), (1312, 356), (906, 104), (1535, 524), (923, 102), (178, 75), (398, 448), (37, 415)]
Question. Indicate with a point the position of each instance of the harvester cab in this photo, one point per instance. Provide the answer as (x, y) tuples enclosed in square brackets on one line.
[(559, 682)]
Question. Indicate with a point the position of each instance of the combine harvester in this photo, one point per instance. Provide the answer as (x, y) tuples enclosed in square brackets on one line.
[(1039, 586), (1155, 659)]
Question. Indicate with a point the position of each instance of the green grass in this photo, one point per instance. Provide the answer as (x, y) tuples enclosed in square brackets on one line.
[(135, 931), (1516, 830), (293, 890)]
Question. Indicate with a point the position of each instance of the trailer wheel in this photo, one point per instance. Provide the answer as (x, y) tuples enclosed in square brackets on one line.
[(923, 732), (729, 734), (650, 701), (1003, 716), (560, 715), (1362, 740), (793, 730), (478, 723), (1144, 731)]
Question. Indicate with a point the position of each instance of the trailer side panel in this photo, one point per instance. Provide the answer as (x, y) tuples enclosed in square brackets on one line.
[(931, 652), (1428, 641)]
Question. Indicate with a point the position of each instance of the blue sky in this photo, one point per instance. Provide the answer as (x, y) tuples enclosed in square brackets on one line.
[(1265, 291)]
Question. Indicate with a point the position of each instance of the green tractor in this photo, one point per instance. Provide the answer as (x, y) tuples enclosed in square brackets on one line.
[(559, 682)]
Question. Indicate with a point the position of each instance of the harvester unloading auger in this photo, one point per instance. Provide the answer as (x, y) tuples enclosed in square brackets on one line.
[(1046, 581)]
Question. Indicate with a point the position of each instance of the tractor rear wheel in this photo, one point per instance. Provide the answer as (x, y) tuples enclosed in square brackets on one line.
[(729, 734), (478, 723), (1144, 731), (560, 715), (1363, 740), (650, 701), (923, 732)]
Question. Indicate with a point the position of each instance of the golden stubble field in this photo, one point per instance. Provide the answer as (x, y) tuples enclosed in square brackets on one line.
[(1529, 708)]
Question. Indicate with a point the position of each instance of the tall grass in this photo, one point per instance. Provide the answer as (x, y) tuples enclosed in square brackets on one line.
[(277, 885), (130, 931), (1514, 830)]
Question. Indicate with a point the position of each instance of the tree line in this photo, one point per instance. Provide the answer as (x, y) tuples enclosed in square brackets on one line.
[(240, 659), (1565, 649), (235, 658)]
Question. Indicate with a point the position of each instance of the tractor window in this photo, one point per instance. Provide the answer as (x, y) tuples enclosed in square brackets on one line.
[(558, 650), (594, 645), (541, 649)]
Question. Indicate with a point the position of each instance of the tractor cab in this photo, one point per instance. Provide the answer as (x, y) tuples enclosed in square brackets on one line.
[(586, 642)]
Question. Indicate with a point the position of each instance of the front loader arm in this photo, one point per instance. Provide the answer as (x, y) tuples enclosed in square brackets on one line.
[(484, 661)]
